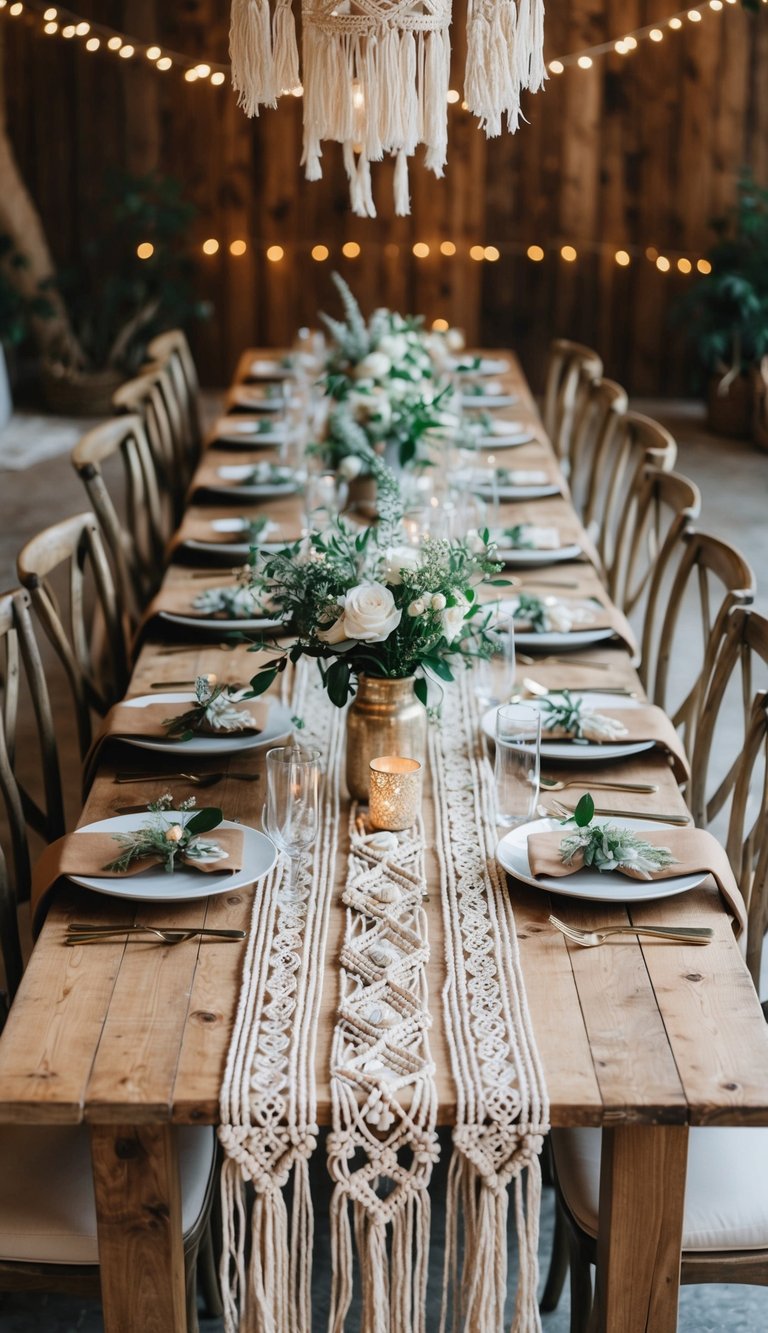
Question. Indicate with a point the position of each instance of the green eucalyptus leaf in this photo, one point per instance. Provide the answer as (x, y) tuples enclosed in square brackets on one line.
[(584, 812), (337, 683), (205, 820), (421, 690)]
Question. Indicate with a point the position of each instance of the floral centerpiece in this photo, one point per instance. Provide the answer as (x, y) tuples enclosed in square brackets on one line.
[(382, 620)]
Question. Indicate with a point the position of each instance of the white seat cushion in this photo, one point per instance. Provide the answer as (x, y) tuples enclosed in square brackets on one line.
[(726, 1192), (47, 1209)]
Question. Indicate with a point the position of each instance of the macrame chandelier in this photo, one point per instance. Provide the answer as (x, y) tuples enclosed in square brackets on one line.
[(376, 76)]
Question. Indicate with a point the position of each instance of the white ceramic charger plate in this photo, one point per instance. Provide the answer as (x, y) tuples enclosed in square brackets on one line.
[(211, 625), (536, 491), (233, 475), (593, 885), (567, 752), (157, 886), (278, 726), (526, 558), (549, 640)]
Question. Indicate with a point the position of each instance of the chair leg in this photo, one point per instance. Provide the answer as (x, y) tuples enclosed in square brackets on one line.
[(190, 1276), (209, 1278), (558, 1264), (581, 1285)]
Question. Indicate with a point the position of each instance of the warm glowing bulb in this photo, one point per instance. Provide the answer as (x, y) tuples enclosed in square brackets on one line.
[(568, 253), (621, 48), (145, 250), (18, 8), (675, 23), (715, 4), (447, 248), (453, 96), (126, 52), (210, 247), (203, 71), (218, 78), (703, 265), (492, 254), (652, 253), (115, 43), (694, 16), (320, 253), (164, 62), (67, 31), (350, 249), (421, 250), (663, 264), (190, 75), (92, 44), (630, 43), (684, 265), (440, 325), (50, 15), (275, 253), (584, 62), (477, 252), (465, 106), (237, 247), (50, 28), (153, 53), (656, 35), (556, 66), (622, 258), (535, 253), (82, 29)]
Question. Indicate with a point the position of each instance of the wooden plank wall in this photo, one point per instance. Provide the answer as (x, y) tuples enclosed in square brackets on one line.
[(640, 151)]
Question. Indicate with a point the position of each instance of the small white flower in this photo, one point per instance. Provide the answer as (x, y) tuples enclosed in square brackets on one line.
[(397, 559), (334, 633), (394, 346), (417, 608), (374, 366), (174, 834), (350, 467), (438, 602), (453, 618)]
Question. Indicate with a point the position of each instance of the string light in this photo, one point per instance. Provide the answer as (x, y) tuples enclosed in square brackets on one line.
[(492, 254), (684, 265), (477, 252), (275, 253), (320, 253), (126, 52), (622, 259), (92, 44), (421, 250), (447, 248), (210, 247), (703, 265), (153, 53), (440, 325), (663, 264), (350, 249), (656, 35), (237, 248), (145, 250), (453, 96), (535, 253), (568, 253)]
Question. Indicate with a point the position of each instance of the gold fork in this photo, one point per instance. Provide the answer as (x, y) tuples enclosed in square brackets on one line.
[(589, 939)]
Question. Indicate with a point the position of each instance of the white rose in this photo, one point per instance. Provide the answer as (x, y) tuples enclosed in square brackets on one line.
[(417, 608), (373, 366), (380, 408), (335, 633), (350, 467), (393, 345), (475, 541), (397, 559), (455, 340), (453, 618), (174, 834), (370, 613), (438, 602)]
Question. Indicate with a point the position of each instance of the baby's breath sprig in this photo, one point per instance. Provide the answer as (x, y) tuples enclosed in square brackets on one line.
[(607, 847), (168, 841)]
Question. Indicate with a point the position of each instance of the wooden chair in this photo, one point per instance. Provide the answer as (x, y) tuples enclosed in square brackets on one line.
[(700, 576), (603, 409), (137, 545), (150, 395), (661, 508), (90, 641), (571, 370), (731, 779), (172, 350), (636, 442)]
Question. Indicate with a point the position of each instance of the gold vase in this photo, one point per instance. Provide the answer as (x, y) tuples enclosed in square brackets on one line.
[(384, 718)]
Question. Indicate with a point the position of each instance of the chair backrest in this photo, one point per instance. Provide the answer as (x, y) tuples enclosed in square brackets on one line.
[(172, 350), (150, 396), (686, 619), (731, 750), (604, 407), (662, 508), (636, 442), (137, 544), (571, 369), (89, 636)]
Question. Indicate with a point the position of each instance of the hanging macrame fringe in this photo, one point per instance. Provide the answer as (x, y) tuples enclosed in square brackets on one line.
[(393, 1261), (263, 52)]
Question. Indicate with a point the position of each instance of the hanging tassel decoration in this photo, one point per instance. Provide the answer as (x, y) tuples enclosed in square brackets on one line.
[(250, 50)]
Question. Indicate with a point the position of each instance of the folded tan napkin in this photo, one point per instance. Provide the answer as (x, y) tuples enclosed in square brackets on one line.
[(208, 477), (284, 518), (178, 599), (602, 616), (695, 852), (647, 723), (88, 854)]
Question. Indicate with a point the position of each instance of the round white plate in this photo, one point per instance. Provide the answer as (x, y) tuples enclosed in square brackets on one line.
[(269, 368), (567, 752), (157, 886), (576, 638), (509, 440), (537, 491), (209, 625), (262, 490), (488, 401), (526, 558), (594, 885), (278, 726), (252, 400)]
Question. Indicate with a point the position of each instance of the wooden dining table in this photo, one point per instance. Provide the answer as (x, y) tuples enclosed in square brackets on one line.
[(640, 1038)]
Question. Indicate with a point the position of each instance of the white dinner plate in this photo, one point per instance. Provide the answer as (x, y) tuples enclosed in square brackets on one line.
[(506, 440), (533, 558), (277, 727), (246, 435), (488, 401), (594, 885), (212, 625), (575, 638), (568, 752), (157, 886), (254, 400), (233, 475), (269, 368), (536, 491)]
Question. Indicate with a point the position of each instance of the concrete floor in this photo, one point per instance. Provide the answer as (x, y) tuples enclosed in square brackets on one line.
[(733, 478)]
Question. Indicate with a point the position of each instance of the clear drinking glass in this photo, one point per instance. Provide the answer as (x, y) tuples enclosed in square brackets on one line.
[(291, 813), (518, 760), (325, 496), (493, 678)]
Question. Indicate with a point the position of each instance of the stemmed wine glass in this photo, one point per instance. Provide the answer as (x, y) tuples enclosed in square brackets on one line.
[(291, 813)]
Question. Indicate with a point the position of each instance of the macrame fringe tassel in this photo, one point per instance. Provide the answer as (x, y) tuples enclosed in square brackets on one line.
[(250, 50), (274, 1294), (285, 52), (492, 76), (475, 1266), (393, 1276)]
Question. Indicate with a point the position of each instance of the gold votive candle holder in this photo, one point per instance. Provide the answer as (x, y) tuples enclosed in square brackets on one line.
[(395, 792)]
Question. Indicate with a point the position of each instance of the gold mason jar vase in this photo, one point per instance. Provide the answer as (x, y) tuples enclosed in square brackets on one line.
[(385, 717)]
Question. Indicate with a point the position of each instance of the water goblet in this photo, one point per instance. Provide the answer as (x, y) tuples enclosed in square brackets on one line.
[(493, 677), (291, 813), (517, 763)]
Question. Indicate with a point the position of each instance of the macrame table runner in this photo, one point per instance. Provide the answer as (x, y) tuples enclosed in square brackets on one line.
[(383, 1142), (376, 76)]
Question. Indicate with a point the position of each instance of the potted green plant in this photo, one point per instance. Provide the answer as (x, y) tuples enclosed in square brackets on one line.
[(727, 312), (16, 313)]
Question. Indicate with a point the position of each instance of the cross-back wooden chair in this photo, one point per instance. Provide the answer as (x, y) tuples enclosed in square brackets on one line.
[(150, 395), (571, 370), (136, 545), (172, 350), (91, 641), (662, 507), (604, 406), (706, 577), (636, 442)]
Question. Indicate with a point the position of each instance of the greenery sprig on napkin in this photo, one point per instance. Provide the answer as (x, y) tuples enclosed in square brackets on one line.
[(214, 711), (517, 537), (569, 715), (606, 847), (531, 610), (169, 840), (234, 603), (265, 474)]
